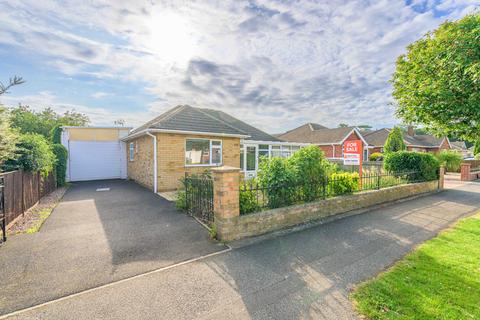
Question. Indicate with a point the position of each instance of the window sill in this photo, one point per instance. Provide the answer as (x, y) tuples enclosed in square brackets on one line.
[(202, 165)]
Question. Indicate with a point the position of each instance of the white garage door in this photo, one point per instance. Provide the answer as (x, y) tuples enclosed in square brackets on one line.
[(95, 160)]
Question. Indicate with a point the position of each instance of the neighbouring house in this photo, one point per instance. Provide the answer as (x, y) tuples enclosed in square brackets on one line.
[(330, 141), (414, 142), (95, 153), (461, 147), (191, 140)]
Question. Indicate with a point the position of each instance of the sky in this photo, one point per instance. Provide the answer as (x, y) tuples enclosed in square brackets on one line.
[(274, 64)]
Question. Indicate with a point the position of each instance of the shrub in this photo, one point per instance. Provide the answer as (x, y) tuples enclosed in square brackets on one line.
[(476, 148), (450, 159), (61, 155), (343, 183), (394, 141), (309, 168), (34, 154), (425, 164), (275, 175), (376, 156), (56, 134), (248, 201), (181, 202)]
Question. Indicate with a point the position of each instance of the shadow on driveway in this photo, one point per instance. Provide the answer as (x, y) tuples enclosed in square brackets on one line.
[(96, 237)]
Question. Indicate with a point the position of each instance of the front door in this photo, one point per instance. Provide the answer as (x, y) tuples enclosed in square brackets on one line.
[(251, 161)]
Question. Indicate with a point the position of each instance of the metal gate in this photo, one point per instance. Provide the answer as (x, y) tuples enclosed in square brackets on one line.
[(199, 197)]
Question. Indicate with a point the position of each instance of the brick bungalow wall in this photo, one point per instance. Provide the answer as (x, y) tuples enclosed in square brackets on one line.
[(328, 149), (171, 159)]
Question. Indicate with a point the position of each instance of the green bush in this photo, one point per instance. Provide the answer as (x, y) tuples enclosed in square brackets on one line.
[(61, 155), (276, 175), (343, 183), (248, 201), (424, 164), (309, 168), (376, 156), (56, 134), (34, 154), (181, 202), (450, 159)]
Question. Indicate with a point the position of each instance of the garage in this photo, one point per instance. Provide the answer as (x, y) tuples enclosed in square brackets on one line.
[(95, 153)]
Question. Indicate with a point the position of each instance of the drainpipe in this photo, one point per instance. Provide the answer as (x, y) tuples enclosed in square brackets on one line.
[(155, 178)]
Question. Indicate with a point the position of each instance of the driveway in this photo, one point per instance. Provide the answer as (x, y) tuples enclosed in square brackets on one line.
[(96, 237), (301, 275)]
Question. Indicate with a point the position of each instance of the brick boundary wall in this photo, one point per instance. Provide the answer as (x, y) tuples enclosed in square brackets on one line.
[(231, 226)]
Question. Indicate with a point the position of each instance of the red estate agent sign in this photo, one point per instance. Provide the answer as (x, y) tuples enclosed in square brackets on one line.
[(353, 154)]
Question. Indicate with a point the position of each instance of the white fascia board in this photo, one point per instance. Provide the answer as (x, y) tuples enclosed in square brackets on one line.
[(275, 143), (99, 127), (354, 130), (143, 132)]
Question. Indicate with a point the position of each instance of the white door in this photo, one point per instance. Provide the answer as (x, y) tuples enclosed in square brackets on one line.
[(96, 160)]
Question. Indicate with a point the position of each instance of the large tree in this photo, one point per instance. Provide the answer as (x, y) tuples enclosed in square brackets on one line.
[(437, 82), (42, 122), (8, 137)]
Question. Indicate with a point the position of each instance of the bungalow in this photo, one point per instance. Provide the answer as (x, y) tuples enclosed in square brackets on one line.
[(190, 140), (420, 143), (330, 141), (461, 147)]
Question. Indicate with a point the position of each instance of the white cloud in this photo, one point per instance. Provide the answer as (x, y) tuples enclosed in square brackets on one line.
[(100, 95), (274, 64)]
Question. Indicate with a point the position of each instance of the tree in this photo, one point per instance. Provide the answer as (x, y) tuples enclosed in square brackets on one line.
[(43, 122), (437, 82), (342, 125), (12, 82), (476, 148), (61, 155), (394, 141), (8, 137), (34, 154)]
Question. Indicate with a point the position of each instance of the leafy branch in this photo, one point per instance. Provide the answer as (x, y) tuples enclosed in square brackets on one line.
[(12, 82)]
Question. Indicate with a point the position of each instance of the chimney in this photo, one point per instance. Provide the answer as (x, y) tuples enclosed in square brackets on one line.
[(411, 131)]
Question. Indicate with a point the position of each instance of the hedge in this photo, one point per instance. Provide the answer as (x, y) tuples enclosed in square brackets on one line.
[(61, 154), (424, 164)]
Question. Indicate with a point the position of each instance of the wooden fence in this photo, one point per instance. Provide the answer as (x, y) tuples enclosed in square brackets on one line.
[(22, 190)]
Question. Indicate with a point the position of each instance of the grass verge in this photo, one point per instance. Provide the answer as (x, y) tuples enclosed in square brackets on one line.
[(439, 280)]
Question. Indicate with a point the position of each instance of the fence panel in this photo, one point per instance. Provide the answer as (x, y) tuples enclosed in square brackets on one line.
[(22, 190), (3, 222)]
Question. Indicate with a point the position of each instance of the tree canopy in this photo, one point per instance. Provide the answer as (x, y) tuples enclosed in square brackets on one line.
[(394, 141), (8, 137), (42, 122), (437, 82)]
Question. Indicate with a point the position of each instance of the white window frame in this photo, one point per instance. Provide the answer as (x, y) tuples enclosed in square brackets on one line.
[(211, 146), (131, 151)]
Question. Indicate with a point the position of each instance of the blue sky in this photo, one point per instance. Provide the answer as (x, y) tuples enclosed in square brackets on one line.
[(274, 64)]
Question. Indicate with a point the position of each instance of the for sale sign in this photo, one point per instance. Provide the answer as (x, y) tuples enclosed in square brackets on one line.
[(352, 152)]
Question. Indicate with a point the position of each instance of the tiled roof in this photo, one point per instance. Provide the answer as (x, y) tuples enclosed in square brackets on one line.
[(379, 137), (458, 145), (308, 134), (187, 118)]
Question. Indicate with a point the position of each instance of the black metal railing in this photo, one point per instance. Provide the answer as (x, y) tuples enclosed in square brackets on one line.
[(256, 197), (3, 214), (199, 197)]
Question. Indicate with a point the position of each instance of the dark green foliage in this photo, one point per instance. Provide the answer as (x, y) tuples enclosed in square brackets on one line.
[(394, 141), (61, 155), (181, 202), (437, 82), (476, 148), (450, 159), (309, 168), (34, 154), (425, 164), (376, 156), (56, 134)]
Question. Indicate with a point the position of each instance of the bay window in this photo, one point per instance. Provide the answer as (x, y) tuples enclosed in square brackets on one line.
[(204, 152)]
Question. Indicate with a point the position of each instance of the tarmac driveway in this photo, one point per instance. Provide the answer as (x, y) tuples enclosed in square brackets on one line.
[(96, 237)]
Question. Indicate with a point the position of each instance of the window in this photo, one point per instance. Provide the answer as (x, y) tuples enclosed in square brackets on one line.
[(203, 152), (276, 151), (251, 158), (263, 151), (242, 159), (131, 151)]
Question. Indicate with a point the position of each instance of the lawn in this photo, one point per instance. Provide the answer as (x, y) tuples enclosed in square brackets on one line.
[(439, 280)]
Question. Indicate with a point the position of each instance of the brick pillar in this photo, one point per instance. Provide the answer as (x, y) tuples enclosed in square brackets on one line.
[(465, 172), (226, 199), (441, 178)]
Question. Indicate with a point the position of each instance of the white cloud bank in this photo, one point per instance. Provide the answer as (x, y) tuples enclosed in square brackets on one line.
[(274, 64)]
